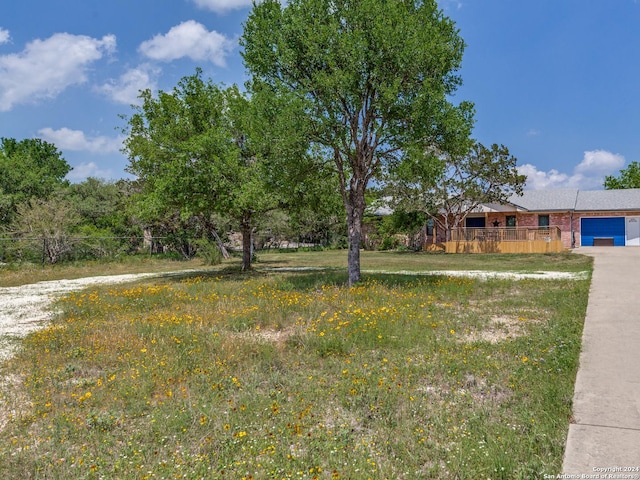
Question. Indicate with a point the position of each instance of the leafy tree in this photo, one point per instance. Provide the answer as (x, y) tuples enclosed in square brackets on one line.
[(107, 226), (482, 175), (202, 149), (375, 77), (628, 178), (102, 204), (179, 147), (30, 168), (410, 224)]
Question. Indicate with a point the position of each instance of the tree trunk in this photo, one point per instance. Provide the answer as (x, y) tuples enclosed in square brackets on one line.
[(355, 213), (246, 229), (221, 246), (209, 226)]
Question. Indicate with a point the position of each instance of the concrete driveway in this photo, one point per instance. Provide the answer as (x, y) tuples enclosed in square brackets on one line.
[(605, 431)]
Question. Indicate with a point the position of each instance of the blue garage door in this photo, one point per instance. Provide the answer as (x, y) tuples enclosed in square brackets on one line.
[(612, 227)]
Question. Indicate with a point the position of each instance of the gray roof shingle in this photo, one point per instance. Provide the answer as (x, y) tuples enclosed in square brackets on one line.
[(578, 200), (607, 200), (546, 200)]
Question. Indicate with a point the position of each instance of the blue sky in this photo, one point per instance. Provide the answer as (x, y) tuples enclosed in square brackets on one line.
[(556, 81)]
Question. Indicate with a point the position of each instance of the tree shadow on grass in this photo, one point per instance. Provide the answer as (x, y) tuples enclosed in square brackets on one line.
[(305, 281), (303, 278)]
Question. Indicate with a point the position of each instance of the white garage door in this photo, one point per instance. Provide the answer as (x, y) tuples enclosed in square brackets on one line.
[(632, 231)]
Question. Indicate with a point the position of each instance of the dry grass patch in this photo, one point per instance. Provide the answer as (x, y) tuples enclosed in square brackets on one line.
[(501, 328)]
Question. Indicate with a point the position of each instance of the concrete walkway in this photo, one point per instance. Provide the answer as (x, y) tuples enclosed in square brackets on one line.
[(605, 432)]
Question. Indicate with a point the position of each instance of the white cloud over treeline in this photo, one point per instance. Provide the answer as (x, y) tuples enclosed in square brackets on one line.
[(192, 40), (127, 87), (77, 140), (85, 170), (588, 174)]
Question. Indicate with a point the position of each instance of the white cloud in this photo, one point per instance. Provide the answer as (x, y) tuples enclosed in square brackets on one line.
[(76, 140), (126, 89), (450, 4), (189, 39), (600, 161), (222, 6), (47, 67), (539, 180), (4, 36), (83, 171), (588, 174)]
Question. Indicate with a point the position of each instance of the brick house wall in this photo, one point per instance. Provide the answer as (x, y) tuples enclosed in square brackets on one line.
[(570, 236)]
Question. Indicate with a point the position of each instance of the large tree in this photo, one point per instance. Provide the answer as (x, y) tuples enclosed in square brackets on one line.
[(376, 76), (203, 149), (29, 169), (629, 177), (451, 188)]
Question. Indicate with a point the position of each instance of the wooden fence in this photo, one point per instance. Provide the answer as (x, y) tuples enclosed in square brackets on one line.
[(505, 240)]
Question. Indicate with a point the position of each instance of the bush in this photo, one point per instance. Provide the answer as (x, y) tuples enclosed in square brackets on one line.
[(388, 243), (209, 252)]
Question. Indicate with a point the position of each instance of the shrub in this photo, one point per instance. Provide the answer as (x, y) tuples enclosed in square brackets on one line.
[(209, 252)]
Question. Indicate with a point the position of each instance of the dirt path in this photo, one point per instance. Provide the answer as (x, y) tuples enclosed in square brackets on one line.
[(26, 308)]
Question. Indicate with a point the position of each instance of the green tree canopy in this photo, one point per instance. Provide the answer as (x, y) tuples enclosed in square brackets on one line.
[(30, 168), (376, 77), (629, 177), (203, 149), (102, 204)]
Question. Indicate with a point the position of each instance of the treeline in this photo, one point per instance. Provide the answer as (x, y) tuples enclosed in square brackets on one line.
[(44, 217), (43, 214)]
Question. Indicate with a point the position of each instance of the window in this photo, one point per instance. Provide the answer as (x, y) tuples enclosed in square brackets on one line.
[(543, 221), (430, 227), (511, 221), (475, 222)]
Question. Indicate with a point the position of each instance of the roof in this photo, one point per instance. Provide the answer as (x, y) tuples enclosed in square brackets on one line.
[(546, 200), (577, 200), (606, 200), (558, 200)]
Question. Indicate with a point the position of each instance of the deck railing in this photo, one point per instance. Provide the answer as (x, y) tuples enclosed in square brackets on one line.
[(514, 234), (505, 240)]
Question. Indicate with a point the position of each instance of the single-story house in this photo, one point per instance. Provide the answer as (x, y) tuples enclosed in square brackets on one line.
[(583, 217)]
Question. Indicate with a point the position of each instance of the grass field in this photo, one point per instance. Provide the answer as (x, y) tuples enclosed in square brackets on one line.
[(13, 275), (219, 374)]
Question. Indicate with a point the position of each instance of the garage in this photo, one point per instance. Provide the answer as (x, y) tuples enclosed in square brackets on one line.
[(603, 231), (633, 231)]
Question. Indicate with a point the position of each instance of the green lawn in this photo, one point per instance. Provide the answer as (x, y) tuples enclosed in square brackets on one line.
[(12, 275), (294, 375), (430, 261)]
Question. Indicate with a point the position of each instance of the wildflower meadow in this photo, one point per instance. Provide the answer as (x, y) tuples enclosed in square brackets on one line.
[(294, 375)]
